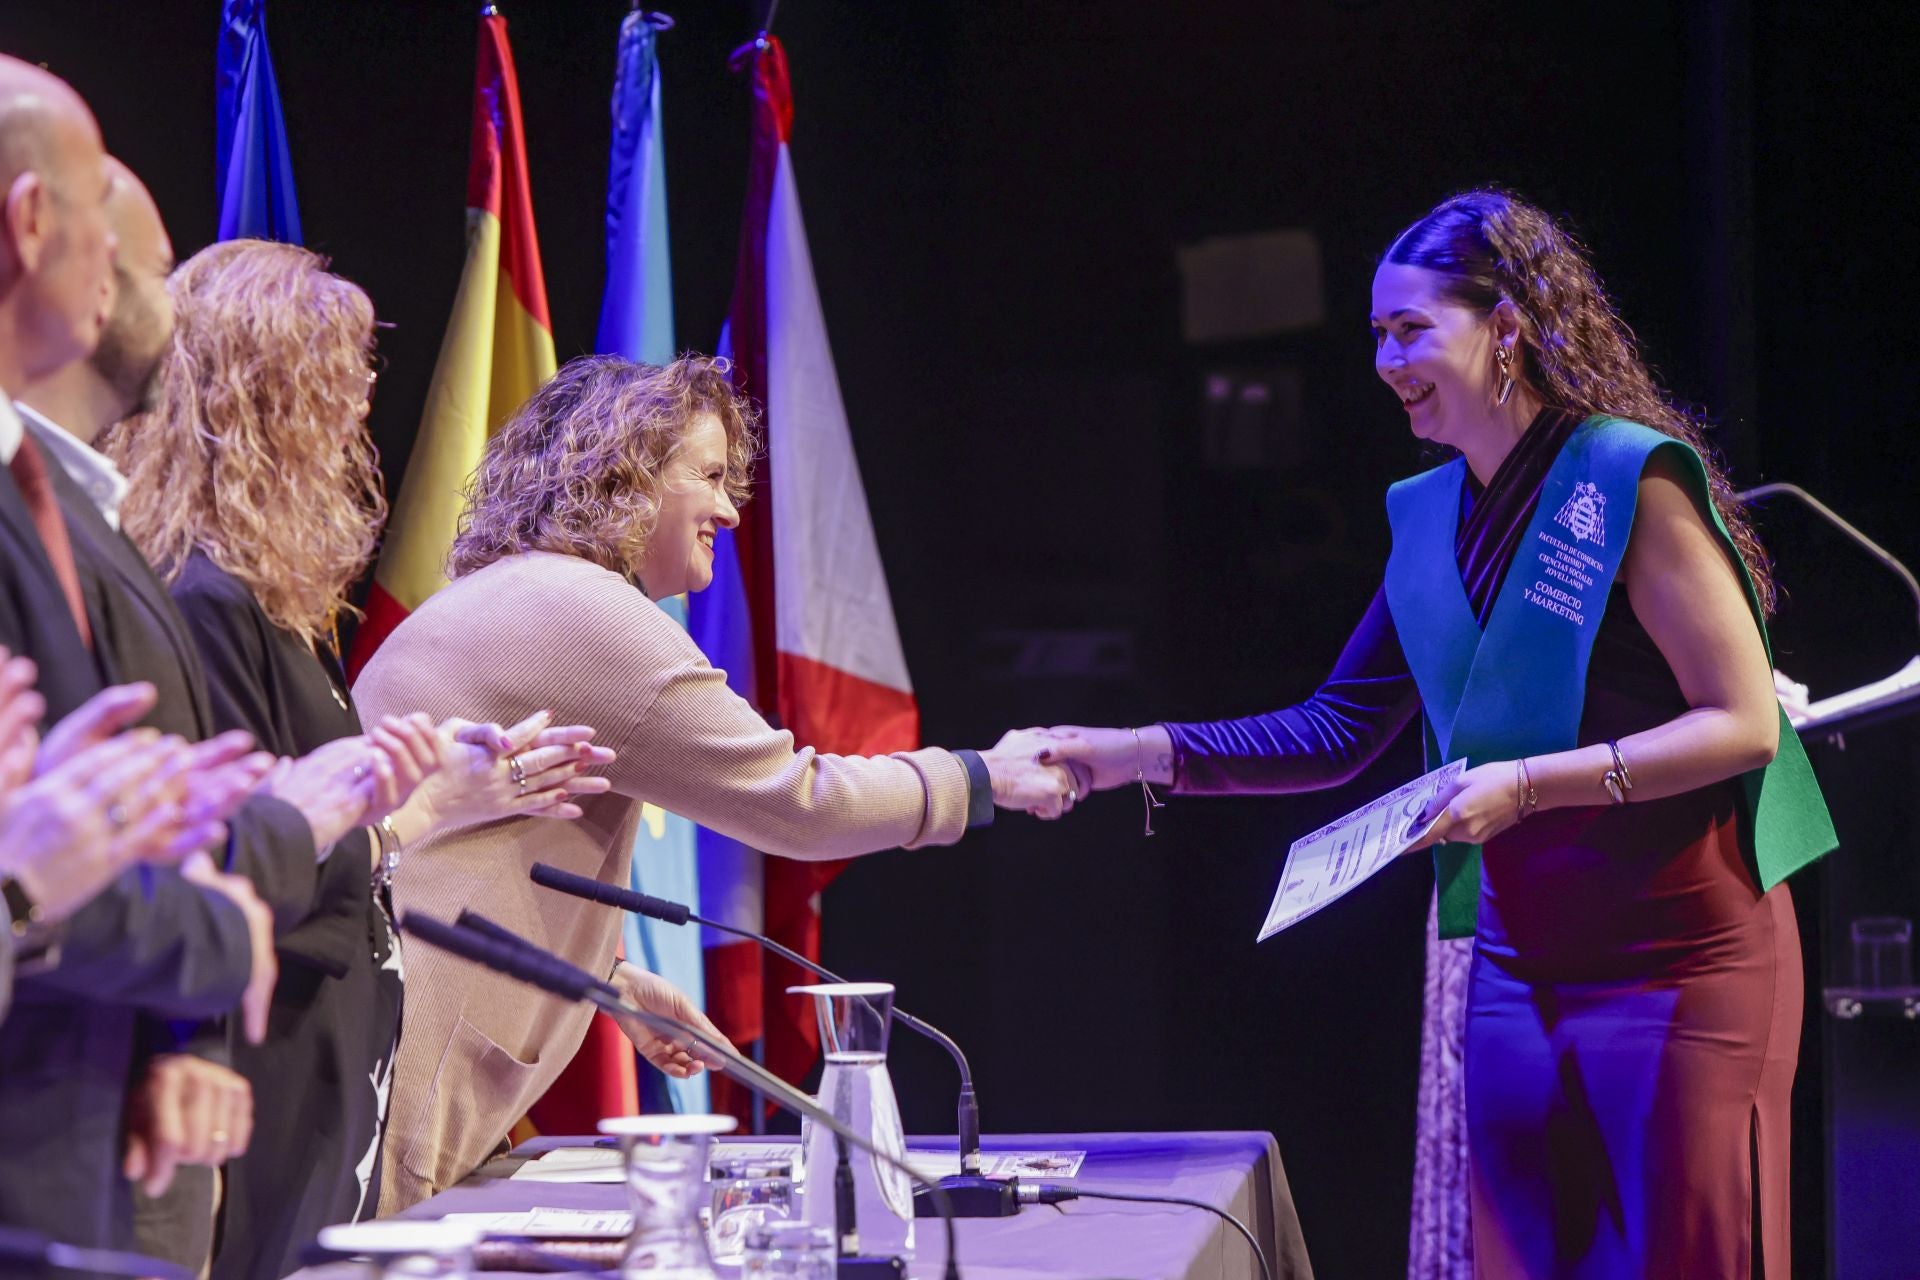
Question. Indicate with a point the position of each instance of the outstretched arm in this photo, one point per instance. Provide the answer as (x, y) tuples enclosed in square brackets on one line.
[(1321, 742)]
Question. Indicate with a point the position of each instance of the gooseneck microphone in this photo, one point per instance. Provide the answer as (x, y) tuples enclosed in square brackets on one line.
[(499, 949), (973, 1196)]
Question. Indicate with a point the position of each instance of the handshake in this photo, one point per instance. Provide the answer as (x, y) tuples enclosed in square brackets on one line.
[(1045, 772)]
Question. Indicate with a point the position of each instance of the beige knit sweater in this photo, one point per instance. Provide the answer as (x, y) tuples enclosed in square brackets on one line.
[(553, 631)]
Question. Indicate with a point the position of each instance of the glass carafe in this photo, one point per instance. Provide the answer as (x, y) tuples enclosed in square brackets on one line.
[(665, 1157), (854, 1020)]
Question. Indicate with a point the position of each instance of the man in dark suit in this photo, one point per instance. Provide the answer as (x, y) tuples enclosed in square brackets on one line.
[(153, 940), (279, 836)]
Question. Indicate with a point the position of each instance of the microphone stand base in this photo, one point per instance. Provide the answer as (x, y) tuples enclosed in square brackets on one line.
[(971, 1197), (855, 1267)]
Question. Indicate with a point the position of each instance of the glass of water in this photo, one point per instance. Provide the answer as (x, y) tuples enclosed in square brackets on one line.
[(788, 1249), (748, 1191), (407, 1249)]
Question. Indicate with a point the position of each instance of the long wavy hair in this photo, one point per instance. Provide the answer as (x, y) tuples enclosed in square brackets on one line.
[(576, 469), (1577, 353), (257, 452)]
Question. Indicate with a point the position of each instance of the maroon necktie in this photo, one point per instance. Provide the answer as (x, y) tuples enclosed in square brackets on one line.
[(30, 473)]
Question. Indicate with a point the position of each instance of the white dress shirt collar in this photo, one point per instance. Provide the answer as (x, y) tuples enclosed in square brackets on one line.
[(92, 470), (10, 431)]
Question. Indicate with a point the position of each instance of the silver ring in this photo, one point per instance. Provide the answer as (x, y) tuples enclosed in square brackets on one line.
[(359, 772), (117, 815), (519, 773)]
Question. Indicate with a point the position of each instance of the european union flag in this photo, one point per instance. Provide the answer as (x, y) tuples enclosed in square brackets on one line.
[(251, 164)]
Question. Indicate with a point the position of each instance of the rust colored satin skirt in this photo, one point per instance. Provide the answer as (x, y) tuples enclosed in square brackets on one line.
[(1633, 1028)]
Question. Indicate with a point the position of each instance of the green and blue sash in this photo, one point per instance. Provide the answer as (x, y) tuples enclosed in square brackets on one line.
[(1519, 688)]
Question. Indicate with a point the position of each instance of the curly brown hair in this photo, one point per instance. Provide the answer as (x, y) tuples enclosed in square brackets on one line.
[(1577, 353), (256, 452), (576, 469)]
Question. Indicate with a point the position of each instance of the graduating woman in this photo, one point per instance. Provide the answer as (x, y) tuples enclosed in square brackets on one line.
[(1574, 605)]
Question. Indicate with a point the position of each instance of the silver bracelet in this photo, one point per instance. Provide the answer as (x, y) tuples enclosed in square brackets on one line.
[(390, 849), (1151, 801)]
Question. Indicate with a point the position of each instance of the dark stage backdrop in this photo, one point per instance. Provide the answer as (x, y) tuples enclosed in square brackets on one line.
[(994, 195)]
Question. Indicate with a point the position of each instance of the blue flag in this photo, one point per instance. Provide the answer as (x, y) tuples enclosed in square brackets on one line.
[(251, 165), (636, 321), (636, 315)]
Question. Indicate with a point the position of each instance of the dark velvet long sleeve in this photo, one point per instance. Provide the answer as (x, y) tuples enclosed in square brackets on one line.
[(1322, 742)]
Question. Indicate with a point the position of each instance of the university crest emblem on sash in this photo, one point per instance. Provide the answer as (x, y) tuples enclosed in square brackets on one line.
[(1584, 515)]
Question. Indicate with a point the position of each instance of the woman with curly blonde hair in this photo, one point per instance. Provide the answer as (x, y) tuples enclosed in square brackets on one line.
[(255, 493), (599, 497), (1575, 608)]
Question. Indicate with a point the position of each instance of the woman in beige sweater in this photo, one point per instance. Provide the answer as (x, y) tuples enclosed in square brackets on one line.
[(601, 495)]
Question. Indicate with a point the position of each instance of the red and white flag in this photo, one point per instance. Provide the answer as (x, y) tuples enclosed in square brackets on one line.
[(825, 657)]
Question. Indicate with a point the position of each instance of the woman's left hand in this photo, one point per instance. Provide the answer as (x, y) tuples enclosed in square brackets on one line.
[(1485, 802), (531, 769), (649, 991)]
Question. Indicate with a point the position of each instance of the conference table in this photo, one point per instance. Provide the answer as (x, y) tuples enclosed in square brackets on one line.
[(1239, 1172)]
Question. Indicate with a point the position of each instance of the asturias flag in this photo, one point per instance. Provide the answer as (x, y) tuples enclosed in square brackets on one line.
[(826, 652), (253, 171), (636, 321)]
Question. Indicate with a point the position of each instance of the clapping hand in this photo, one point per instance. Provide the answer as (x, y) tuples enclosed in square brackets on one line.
[(531, 769), (257, 1000), (357, 781), (20, 712), (92, 799)]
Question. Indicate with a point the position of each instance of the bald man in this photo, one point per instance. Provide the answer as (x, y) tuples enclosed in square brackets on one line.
[(152, 942), (57, 250)]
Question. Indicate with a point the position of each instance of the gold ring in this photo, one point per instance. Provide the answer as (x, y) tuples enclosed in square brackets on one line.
[(219, 1135)]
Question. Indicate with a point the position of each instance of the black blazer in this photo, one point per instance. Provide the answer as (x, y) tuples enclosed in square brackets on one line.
[(149, 943), (138, 634), (336, 1009)]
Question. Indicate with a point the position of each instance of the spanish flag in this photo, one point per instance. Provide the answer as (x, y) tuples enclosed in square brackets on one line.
[(497, 352)]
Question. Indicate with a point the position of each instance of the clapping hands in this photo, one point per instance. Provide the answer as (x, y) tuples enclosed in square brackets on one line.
[(487, 773), (95, 797)]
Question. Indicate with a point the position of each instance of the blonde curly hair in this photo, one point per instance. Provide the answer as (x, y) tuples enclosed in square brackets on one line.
[(576, 469), (257, 452)]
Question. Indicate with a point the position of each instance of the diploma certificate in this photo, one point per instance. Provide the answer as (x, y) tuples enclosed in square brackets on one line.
[(1328, 864)]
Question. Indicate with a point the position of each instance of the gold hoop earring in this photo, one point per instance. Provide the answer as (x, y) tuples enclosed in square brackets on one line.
[(1504, 358)]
